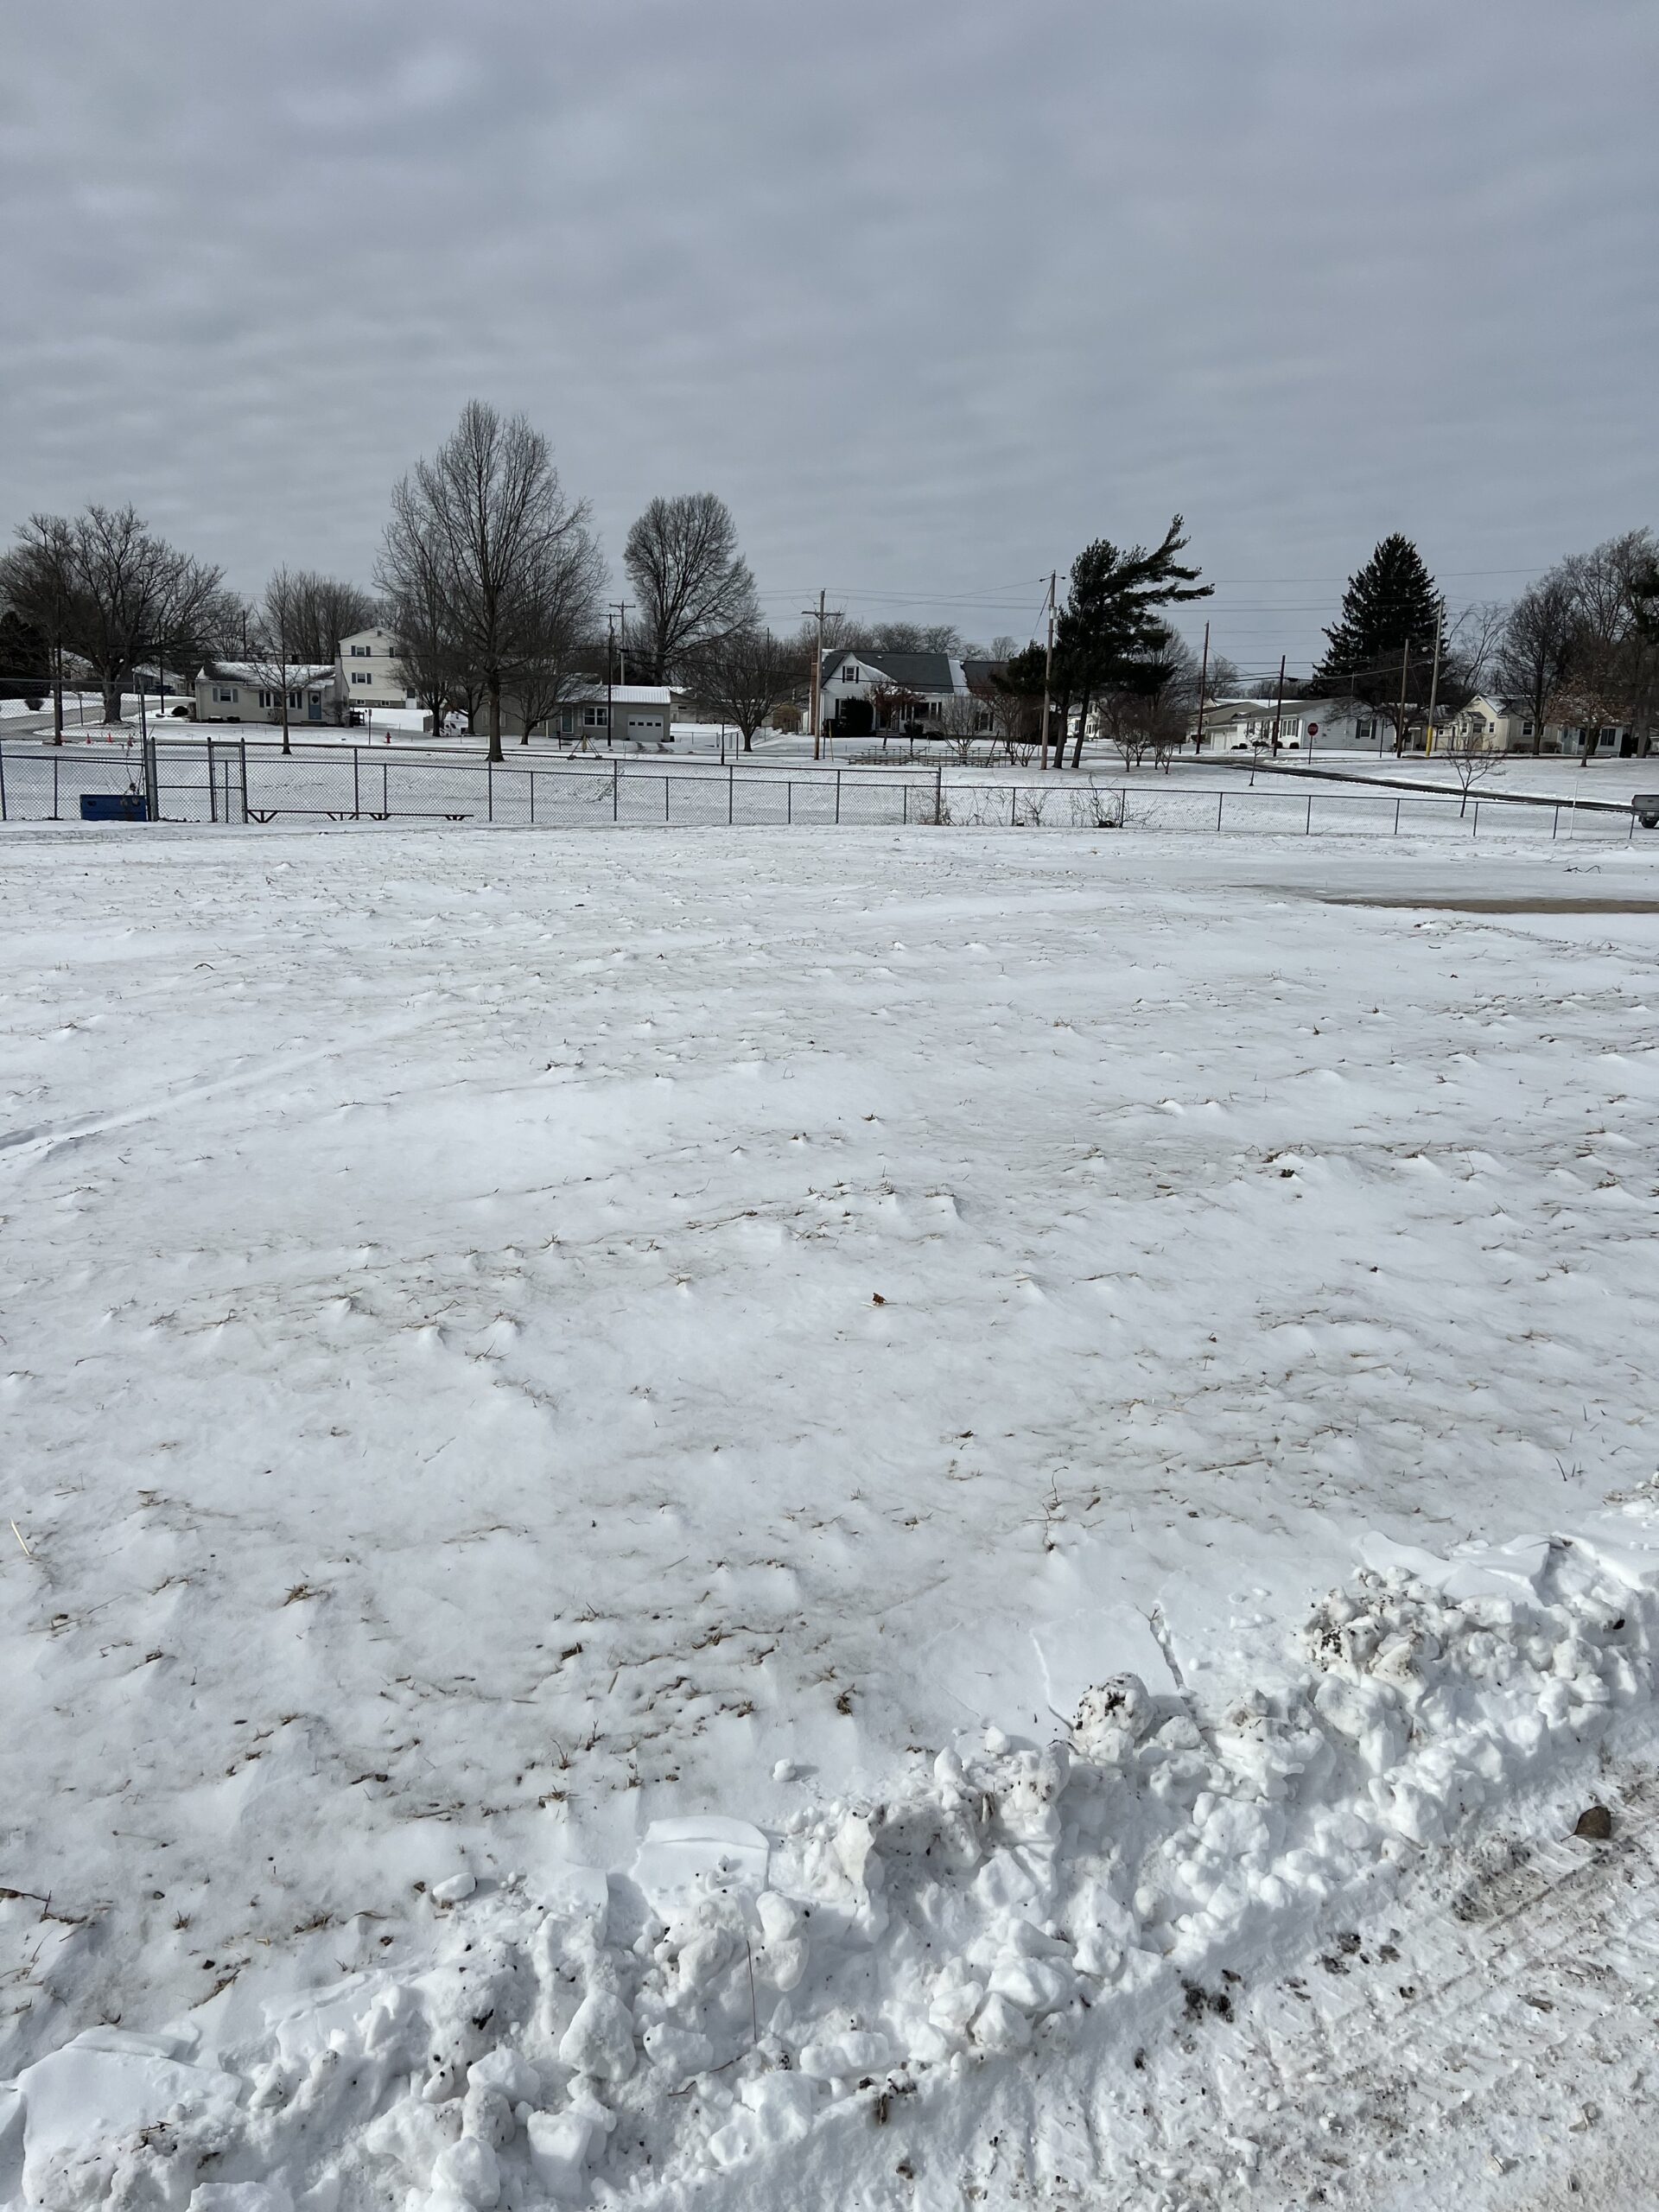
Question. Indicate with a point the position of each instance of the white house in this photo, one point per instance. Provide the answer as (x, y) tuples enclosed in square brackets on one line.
[(628, 714), (1305, 727), (368, 671), (244, 691), (1486, 725), (866, 692), (640, 714)]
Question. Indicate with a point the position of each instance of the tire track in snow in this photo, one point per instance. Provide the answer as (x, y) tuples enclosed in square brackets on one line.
[(1492, 2052)]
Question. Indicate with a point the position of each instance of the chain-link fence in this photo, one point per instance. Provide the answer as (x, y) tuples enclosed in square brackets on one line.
[(235, 781)]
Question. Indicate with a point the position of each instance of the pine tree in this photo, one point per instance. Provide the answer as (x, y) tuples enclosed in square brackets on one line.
[(1381, 647), (1110, 635)]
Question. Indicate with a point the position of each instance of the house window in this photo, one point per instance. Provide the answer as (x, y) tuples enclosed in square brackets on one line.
[(594, 717), (359, 676), (224, 696), (362, 653), (265, 699), (851, 675)]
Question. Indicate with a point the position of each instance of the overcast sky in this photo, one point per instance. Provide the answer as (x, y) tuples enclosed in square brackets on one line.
[(932, 294)]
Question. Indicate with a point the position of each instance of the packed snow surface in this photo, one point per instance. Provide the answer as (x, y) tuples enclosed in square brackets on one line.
[(880, 1520)]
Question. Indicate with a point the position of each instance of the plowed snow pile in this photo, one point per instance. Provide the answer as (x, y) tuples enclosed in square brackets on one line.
[(893, 1521)]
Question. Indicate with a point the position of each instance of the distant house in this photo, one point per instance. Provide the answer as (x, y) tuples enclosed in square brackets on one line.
[(864, 693), (640, 714), (368, 671), (1603, 741), (1486, 725), (1301, 726), (242, 691)]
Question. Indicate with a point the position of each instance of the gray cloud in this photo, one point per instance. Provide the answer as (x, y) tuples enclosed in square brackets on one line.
[(931, 294)]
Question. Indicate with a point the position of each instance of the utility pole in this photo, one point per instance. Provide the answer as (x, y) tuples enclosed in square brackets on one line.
[(1400, 727), (1279, 704), (622, 607), (1435, 689), (610, 663), (1203, 681), (1048, 680), (820, 614)]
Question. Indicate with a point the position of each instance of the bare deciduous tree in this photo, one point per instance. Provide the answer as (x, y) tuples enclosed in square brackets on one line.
[(487, 516), (744, 676), (964, 722), (694, 584), (418, 615), (274, 662), (562, 616), (1536, 650), (121, 594), (37, 579), (321, 610), (1469, 760)]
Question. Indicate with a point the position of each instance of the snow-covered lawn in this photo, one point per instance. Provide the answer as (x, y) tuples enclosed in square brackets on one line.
[(1542, 775), (867, 1353)]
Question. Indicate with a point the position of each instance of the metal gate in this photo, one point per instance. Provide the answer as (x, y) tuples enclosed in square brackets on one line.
[(206, 781)]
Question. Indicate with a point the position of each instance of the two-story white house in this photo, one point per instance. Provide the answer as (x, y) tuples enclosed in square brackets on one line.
[(368, 671)]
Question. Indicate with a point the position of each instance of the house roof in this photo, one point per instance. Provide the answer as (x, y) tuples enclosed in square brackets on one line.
[(631, 695), (299, 673), (912, 671)]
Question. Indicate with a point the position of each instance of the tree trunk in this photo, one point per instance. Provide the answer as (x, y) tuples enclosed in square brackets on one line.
[(57, 694), (1083, 724), (496, 752), (111, 688)]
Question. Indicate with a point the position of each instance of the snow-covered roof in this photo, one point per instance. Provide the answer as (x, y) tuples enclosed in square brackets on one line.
[(299, 673), (631, 694)]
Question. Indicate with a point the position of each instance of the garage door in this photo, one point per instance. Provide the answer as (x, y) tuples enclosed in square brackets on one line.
[(645, 729)]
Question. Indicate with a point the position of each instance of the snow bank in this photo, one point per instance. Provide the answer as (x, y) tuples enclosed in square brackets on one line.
[(695, 2020)]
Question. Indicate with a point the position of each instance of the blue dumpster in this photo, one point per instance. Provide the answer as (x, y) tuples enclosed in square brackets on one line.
[(113, 806)]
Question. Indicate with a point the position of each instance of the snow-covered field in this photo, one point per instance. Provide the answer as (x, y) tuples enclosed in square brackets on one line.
[(869, 1520)]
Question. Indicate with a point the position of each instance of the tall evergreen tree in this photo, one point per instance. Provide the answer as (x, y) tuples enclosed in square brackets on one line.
[(1110, 636), (1381, 647)]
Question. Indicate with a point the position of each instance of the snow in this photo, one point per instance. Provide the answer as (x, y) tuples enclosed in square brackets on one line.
[(713, 1515)]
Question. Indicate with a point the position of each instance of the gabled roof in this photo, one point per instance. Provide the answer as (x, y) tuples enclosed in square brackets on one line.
[(911, 671), (628, 694), (299, 673), (980, 672)]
